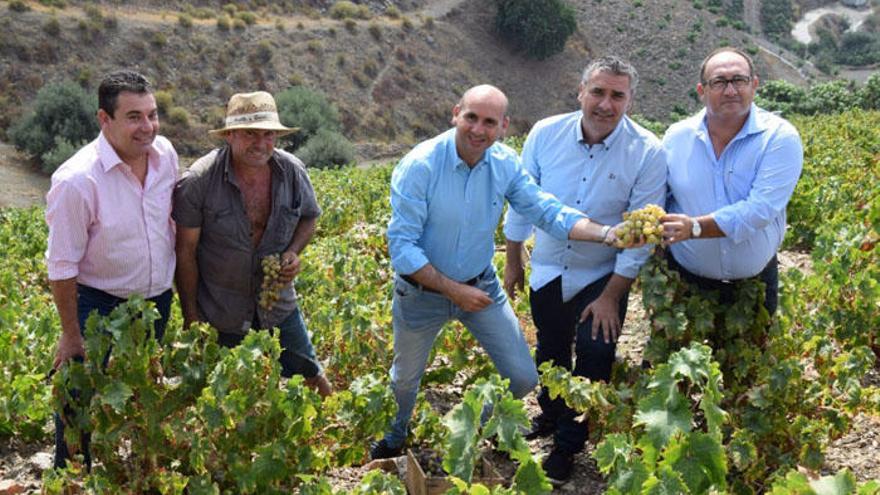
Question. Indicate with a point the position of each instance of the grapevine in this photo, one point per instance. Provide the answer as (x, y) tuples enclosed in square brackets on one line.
[(644, 222)]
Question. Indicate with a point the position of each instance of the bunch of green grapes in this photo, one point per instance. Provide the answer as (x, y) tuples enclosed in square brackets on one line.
[(272, 285), (643, 222)]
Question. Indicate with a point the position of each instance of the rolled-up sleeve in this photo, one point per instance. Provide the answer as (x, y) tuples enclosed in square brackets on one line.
[(68, 214), (540, 208), (188, 201), (775, 180), (409, 212), (650, 187)]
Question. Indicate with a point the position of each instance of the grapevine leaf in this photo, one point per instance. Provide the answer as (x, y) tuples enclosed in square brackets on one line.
[(508, 419), (530, 478), (463, 422), (115, 395), (669, 482), (700, 460), (612, 452), (630, 477), (842, 483), (663, 419)]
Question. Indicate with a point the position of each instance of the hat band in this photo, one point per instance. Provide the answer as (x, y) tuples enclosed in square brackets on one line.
[(248, 118)]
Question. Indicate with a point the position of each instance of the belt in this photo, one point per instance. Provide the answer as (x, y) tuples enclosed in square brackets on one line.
[(412, 281)]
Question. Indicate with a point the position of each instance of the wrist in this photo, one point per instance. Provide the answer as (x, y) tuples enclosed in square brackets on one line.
[(605, 231), (696, 228)]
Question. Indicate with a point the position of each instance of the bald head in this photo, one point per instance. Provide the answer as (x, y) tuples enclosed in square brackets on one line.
[(485, 94)]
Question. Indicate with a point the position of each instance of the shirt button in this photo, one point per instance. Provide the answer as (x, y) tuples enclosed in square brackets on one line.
[(584, 179), (569, 246), (565, 267), (578, 201)]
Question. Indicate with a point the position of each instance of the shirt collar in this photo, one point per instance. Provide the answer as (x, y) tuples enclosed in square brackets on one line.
[(754, 124), (109, 158), (452, 157), (609, 140)]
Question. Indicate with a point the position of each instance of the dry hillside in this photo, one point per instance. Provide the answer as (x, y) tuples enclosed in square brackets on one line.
[(393, 76)]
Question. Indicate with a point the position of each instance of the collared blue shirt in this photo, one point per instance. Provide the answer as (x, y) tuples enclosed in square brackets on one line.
[(624, 172), (746, 190), (445, 213)]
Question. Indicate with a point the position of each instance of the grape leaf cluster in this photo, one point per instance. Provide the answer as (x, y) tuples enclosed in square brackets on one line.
[(272, 285), (644, 222)]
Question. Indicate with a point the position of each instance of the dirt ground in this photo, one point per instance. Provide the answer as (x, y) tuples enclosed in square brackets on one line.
[(22, 464)]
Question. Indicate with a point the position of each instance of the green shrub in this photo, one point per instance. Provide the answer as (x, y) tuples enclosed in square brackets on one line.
[(392, 12), (18, 6), (239, 24), (375, 31), (348, 10), (185, 21), (307, 109), (178, 116), (537, 27), (60, 111), (248, 17), (52, 26), (60, 152), (164, 101), (327, 149), (869, 94), (224, 23)]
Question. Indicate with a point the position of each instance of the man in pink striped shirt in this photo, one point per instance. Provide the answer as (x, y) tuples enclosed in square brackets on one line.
[(109, 213)]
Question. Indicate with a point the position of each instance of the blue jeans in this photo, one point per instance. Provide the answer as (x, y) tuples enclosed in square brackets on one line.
[(558, 327), (297, 353), (419, 315), (89, 299)]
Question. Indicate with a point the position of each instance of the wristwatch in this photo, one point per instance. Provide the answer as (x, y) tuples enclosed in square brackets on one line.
[(605, 231), (696, 230)]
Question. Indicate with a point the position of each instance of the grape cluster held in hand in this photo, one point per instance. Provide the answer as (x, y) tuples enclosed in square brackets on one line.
[(272, 283), (640, 224)]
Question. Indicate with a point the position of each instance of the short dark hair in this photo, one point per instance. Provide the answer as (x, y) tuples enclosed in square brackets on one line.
[(116, 82), (614, 66), (724, 49)]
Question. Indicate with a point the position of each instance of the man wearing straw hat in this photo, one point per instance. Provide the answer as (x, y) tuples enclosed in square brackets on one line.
[(235, 206)]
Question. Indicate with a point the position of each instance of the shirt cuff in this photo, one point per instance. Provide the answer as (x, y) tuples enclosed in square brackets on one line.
[(570, 216), (62, 270), (630, 261), (517, 232), (734, 229), (409, 262)]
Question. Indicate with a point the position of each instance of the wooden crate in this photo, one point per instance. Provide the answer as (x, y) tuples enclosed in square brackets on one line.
[(418, 483)]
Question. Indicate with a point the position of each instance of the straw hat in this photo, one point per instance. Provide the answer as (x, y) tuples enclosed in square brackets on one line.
[(253, 111)]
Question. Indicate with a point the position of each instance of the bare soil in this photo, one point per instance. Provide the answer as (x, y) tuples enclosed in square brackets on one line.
[(20, 185)]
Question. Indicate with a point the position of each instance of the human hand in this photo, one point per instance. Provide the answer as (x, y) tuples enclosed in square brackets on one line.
[(676, 228), (514, 278), (616, 238), (70, 345), (606, 318), (469, 298), (290, 266)]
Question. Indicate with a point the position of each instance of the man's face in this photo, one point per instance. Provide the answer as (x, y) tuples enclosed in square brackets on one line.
[(479, 120), (133, 126), (251, 147), (604, 100), (729, 87)]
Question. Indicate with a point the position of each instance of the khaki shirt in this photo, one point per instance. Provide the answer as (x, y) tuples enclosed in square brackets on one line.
[(208, 197)]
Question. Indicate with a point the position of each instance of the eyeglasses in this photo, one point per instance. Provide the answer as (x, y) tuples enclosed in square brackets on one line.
[(720, 83)]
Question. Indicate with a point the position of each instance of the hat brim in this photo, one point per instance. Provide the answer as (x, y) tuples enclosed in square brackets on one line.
[(261, 126)]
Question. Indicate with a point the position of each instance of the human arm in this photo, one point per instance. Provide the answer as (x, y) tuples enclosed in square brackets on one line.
[(290, 261), (605, 309), (70, 343), (187, 273), (462, 295), (514, 268), (678, 227)]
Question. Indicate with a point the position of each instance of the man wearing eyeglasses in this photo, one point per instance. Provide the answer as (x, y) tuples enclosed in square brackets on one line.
[(732, 169)]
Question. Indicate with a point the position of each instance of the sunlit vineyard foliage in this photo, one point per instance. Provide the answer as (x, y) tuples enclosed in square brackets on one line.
[(727, 405)]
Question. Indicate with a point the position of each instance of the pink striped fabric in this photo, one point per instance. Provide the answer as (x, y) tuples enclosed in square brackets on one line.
[(106, 229)]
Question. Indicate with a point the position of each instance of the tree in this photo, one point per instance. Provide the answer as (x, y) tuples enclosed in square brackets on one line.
[(781, 96), (307, 109), (537, 27), (63, 118), (870, 92)]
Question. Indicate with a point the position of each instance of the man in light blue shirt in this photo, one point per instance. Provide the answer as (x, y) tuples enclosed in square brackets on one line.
[(447, 195), (732, 170), (600, 162)]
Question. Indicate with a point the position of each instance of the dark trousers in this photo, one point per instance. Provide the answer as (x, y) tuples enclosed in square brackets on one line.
[(558, 328), (726, 289), (89, 299)]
